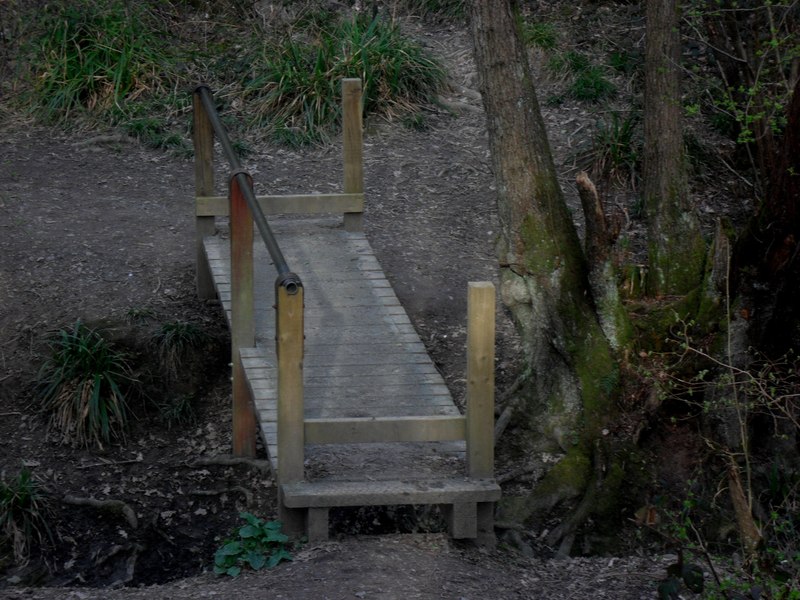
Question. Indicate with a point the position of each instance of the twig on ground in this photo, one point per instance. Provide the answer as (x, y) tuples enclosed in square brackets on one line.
[(248, 495), (110, 463), (228, 461)]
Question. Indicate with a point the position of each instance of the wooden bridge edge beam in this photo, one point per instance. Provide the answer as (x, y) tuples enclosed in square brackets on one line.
[(276, 204)]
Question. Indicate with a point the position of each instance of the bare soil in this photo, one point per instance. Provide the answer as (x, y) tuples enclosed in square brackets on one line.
[(102, 231)]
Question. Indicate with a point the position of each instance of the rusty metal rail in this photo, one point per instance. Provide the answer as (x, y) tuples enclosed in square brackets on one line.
[(289, 279)]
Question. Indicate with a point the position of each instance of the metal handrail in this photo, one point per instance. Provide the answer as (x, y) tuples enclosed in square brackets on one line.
[(286, 278)]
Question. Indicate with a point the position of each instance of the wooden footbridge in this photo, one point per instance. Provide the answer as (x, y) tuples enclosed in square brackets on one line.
[(325, 362)]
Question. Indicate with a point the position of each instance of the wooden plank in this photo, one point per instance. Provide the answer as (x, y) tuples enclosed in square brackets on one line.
[(480, 379), (267, 412), (352, 148), (397, 429), (418, 394), (242, 324), (319, 494), (207, 205)]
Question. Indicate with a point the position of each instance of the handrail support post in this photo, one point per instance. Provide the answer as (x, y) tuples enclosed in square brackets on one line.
[(291, 414), (203, 139), (353, 148), (480, 398), (242, 317)]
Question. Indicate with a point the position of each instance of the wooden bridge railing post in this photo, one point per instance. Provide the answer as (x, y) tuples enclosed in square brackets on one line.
[(480, 380), (353, 152), (242, 319), (291, 441), (203, 138), (480, 397)]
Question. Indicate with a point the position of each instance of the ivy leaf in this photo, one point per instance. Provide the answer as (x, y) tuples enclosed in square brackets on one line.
[(234, 571)]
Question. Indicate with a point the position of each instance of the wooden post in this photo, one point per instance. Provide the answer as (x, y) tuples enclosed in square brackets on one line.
[(291, 442), (204, 186), (480, 380), (242, 324), (352, 140), (480, 399)]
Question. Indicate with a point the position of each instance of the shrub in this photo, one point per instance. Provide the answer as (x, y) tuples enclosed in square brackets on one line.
[(257, 544), (23, 515), (82, 386)]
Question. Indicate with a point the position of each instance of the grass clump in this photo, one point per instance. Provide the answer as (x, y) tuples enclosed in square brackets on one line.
[(23, 516), (257, 544), (177, 411), (588, 82), (296, 93), (540, 35), (82, 386), (94, 57), (174, 342), (616, 149)]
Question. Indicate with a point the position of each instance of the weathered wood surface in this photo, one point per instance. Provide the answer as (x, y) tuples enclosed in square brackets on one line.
[(363, 358)]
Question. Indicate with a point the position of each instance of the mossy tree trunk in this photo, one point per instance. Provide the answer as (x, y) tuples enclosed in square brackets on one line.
[(676, 248), (543, 271)]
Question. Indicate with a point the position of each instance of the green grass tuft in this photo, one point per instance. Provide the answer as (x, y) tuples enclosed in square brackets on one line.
[(23, 516), (589, 82), (541, 35), (174, 342), (616, 149), (296, 92), (82, 386), (94, 56)]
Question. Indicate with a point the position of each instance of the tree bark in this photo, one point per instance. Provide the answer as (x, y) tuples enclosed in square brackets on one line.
[(543, 272), (676, 248)]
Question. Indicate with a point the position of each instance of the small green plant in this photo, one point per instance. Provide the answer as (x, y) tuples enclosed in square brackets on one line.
[(441, 9), (23, 515), (257, 544), (416, 121), (589, 82), (83, 384), (154, 132), (591, 85), (140, 315), (624, 62), (177, 410), (540, 34), (616, 149), (174, 341)]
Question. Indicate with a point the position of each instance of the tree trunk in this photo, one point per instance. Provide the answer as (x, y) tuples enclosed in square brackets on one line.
[(676, 248), (543, 272)]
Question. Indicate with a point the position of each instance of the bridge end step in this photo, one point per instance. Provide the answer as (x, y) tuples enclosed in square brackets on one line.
[(468, 504)]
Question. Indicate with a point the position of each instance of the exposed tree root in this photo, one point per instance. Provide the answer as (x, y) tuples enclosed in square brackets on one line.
[(114, 506)]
